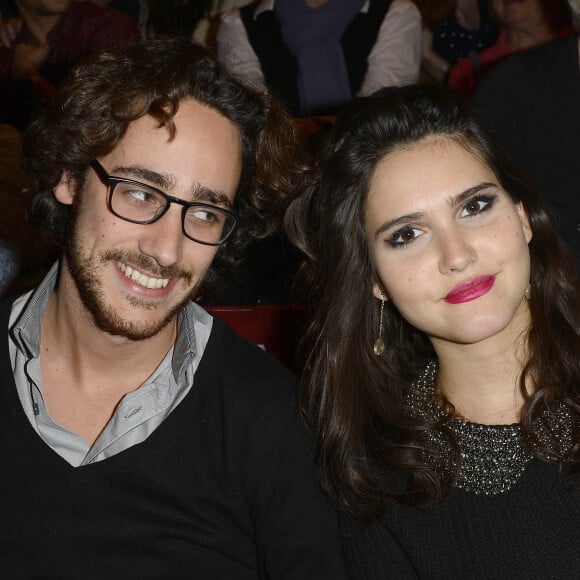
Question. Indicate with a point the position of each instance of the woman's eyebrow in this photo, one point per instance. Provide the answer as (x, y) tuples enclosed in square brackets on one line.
[(402, 220), (465, 195), (452, 201)]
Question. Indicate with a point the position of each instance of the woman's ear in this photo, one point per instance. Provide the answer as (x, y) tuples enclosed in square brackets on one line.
[(524, 221), (65, 190), (379, 291)]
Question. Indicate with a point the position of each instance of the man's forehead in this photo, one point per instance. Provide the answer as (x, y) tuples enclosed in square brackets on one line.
[(203, 154), (186, 110)]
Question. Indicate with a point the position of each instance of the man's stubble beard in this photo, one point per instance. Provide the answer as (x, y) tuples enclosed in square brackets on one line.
[(86, 272)]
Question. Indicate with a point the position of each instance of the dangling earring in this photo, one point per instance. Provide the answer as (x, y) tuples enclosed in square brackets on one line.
[(379, 346), (528, 292)]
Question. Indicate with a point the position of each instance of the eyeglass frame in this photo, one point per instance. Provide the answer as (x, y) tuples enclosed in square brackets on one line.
[(111, 182)]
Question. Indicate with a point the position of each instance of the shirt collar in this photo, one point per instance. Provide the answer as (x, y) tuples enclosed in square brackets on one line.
[(26, 330)]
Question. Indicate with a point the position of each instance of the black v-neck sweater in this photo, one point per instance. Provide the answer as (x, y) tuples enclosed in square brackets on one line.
[(224, 488), (532, 532)]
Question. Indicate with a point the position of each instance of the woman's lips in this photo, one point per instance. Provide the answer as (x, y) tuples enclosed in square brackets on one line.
[(470, 290)]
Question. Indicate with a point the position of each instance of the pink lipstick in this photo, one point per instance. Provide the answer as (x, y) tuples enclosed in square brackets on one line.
[(470, 290)]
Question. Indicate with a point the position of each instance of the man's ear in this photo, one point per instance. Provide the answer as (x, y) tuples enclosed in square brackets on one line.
[(524, 221), (65, 190)]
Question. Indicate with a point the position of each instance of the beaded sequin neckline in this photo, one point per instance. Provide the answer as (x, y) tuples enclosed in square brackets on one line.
[(493, 457)]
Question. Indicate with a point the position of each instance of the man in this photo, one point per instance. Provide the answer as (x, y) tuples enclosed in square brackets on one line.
[(531, 102), (319, 54), (43, 40), (140, 437)]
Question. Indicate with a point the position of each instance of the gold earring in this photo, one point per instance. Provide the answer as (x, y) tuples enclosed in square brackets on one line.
[(379, 346), (528, 291)]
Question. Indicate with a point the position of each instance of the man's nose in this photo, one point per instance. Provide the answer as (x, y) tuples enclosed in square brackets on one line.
[(163, 240)]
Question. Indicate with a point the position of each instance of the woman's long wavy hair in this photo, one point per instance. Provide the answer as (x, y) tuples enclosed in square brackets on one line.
[(354, 398), (93, 108)]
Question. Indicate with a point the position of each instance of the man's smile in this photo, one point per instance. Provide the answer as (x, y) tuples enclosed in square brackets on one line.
[(142, 279)]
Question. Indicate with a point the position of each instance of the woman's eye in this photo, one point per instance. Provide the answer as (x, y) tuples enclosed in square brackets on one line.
[(477, 205), (404, 236)]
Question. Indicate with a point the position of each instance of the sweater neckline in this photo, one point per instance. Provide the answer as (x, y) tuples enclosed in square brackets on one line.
[(491, 458)]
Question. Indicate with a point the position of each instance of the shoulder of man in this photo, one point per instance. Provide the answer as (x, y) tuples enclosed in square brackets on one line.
[(244, 369)]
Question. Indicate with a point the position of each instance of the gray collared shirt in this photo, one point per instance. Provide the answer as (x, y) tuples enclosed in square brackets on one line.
[(138, 414)]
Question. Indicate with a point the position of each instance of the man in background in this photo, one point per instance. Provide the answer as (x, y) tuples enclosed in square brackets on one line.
[(319, 54), (41, 40)]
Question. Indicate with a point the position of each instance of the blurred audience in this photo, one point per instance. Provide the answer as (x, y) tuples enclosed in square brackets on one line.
[(453, 30), (175, 17), (206, 28), (40, 40), (9, 265), (138, 10), (24, 254), (319, 54), (532, 101), (524, 24)]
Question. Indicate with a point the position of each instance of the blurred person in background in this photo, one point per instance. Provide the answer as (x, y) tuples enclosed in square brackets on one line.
[(449, 33), (318, 54), (523, 24), (532, 102), (41, 40)]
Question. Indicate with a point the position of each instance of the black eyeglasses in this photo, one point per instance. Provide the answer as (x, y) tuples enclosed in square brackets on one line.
[(138, 203)]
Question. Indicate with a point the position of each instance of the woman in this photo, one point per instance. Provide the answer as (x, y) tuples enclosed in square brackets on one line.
[(523, 24), (464, 28), (444, 357)]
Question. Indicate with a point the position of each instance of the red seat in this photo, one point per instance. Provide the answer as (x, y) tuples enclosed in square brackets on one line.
[(275, 328)]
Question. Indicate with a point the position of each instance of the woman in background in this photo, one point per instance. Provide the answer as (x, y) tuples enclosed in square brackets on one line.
[(464, 28), (523, 24), (444, 358)]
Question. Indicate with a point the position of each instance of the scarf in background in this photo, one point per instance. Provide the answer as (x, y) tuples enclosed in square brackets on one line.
[(313, 35)]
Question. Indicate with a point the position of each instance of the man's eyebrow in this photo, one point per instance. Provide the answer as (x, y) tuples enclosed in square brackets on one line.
[(213, 196), (161, 180), (452, 201), (166, 182)]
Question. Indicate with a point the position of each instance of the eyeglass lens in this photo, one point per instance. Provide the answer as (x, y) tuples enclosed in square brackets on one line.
[(204, 223)]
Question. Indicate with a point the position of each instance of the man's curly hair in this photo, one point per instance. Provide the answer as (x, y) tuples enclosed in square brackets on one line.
[(93, 108)]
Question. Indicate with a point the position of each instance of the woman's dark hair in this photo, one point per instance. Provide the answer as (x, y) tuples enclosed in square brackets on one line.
[(93, 108), (354, 398)]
